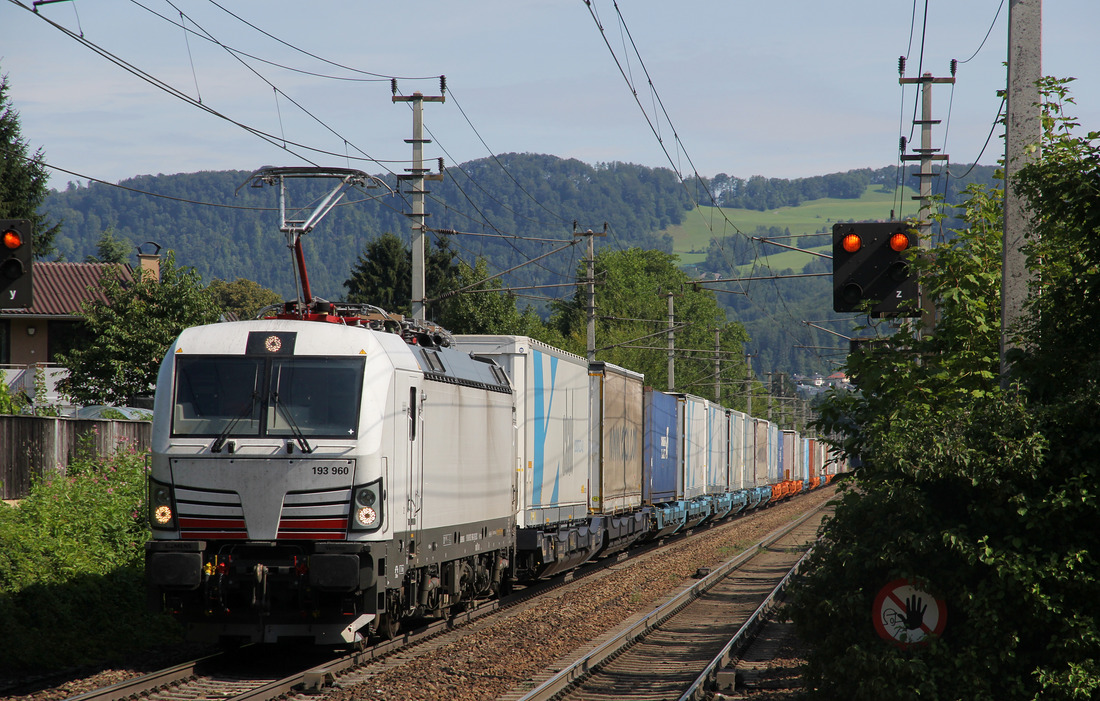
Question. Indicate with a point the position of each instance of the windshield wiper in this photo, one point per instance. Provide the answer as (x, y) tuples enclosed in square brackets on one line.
[(303, 444), (219, 442)]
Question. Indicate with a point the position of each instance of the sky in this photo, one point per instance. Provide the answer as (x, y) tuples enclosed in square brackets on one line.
[(780, 89)]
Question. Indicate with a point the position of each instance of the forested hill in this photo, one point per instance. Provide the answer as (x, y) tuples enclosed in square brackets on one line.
[(228, 233), (226, 230)]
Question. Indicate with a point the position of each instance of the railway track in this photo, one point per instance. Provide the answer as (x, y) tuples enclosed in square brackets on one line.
[(251, 674), (676, 651), (442, 659)]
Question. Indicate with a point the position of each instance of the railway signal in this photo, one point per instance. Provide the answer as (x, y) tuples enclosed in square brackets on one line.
[(16, 258), (871, 264)]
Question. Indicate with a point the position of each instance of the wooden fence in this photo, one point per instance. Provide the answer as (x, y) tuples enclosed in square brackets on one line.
[(34, 446)]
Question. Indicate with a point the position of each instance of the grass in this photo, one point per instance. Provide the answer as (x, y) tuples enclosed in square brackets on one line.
[(691, 239)]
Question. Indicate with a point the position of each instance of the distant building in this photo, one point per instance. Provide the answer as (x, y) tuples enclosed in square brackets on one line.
[(34, 337)]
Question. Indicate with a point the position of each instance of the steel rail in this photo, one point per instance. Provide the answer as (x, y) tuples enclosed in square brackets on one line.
[(743, 636), (147, 682), (591, 660)]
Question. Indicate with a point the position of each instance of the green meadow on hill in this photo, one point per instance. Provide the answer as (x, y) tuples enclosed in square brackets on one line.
[(692, 238)]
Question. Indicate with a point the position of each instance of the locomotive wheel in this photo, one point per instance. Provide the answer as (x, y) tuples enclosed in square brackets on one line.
[(388, 626)]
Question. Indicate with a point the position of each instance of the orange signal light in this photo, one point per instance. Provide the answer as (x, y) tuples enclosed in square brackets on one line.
[(12, 239), (851, 243), (899, 241)]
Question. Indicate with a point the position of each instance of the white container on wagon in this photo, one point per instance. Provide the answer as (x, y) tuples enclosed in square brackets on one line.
[(552, 412), (691, 412), (718, 474), (740, 451), (761, 453)]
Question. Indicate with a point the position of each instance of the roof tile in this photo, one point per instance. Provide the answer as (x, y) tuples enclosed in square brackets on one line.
[(58, 289)]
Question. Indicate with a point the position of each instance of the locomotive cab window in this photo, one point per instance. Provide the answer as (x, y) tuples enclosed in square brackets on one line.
[(217, 395), (275, 396), (316, 396)]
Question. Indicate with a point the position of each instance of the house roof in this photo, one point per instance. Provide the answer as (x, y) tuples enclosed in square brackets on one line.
[(58, 289)]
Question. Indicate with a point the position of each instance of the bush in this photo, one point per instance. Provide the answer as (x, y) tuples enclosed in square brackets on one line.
[(986, 496), (72, 567)]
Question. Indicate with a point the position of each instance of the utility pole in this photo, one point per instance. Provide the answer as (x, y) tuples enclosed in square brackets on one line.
[(717, 365), (417, 174), (590, 279), (1022, 130), (671, 346), (748, 384), (771, 377), (925, 154), (782, 399)]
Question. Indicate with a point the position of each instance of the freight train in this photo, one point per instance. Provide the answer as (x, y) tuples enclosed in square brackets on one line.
[(331, 472)]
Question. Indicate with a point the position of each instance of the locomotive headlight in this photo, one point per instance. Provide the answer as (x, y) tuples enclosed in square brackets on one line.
[(161, 511), (366, 517), (366, 507)]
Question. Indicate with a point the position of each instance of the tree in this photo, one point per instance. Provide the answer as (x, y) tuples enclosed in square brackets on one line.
[(383, 274), (479, 311), (1061, 335), (985, 497), (110, 248), (23, 178), (632, 312), (242, 298), (127, 335)]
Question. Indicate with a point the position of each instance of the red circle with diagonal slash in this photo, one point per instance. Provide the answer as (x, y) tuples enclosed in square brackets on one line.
[(889, 614)]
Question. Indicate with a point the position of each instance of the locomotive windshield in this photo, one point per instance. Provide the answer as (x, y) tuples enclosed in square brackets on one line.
[(267, 396)]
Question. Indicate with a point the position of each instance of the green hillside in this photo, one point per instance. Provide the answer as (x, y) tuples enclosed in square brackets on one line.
[(692, 237), (509, 206)]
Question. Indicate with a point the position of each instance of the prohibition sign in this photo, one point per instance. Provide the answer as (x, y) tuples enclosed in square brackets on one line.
[(905, 615)]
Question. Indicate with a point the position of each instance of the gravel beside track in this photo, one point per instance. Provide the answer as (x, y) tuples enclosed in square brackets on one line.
[(771, 669), (80, 681)]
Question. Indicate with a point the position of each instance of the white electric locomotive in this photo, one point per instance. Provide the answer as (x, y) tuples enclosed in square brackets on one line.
[(322, 481), (330, 471)]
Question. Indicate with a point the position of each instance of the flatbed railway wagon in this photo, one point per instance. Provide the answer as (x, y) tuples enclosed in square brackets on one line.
[(661, 465), (739, 455), (722, 498), (693, 450)]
